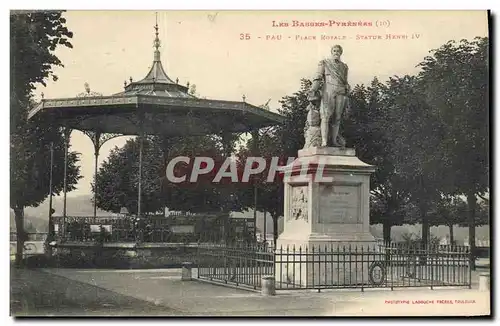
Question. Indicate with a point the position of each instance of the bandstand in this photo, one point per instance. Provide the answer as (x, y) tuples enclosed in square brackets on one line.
[(154, 105)]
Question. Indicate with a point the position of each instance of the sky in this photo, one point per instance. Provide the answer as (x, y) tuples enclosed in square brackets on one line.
[(228, 54)]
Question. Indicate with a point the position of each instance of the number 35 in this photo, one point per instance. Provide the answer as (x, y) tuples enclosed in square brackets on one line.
[(244, 36)]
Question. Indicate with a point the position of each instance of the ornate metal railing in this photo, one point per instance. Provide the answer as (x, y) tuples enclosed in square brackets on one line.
[(178, 228)]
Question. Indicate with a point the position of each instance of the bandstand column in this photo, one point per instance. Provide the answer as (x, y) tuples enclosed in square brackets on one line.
[(97, 145), (139, 183), (51, 221), (226, 144), (66, 133), (255, 136), (166, 150)]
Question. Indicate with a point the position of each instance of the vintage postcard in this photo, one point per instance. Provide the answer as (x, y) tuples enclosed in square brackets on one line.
[(249, 163)]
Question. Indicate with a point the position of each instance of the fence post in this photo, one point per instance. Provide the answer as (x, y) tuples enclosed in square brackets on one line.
[(362, 269), (432, 255), (470, 267)]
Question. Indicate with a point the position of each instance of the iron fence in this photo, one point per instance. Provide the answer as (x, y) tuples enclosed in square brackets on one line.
[(239, 263), (337, 266)]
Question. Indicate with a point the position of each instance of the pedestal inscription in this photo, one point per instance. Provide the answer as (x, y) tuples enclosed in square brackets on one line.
[(340, 204)]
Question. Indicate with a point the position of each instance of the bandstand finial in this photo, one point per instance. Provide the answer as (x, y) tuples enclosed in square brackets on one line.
[(157, 42)]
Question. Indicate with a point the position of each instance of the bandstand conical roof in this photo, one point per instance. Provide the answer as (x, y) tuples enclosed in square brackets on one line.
[(157, 82), (158, 105)]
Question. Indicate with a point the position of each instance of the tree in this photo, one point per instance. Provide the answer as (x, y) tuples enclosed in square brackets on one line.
[(455, 81), (34, 38), (118, 177), (482, 216), (449, 211), (269, 194), (415, 135), (290, 134), (366, 131)]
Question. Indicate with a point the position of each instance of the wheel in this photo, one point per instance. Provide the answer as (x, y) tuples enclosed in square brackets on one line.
[(377, 273)]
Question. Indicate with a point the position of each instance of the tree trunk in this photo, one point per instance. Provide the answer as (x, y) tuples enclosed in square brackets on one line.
[(471, 202), (425, 238), (425, 227), (425, 234), (265, 226), (452, 237), (386, 226), (19, 217), (275, 229)]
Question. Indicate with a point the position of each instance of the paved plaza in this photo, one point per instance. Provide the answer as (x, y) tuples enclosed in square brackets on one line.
[(161, 292)]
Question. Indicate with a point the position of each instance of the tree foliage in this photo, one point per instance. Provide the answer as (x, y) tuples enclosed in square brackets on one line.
[(455, 82), (415, 148), (367, 131), (34, 38)]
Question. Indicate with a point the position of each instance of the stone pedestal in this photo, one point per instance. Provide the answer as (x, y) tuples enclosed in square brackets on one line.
[(268, 287), (484, 282), (327, 198)]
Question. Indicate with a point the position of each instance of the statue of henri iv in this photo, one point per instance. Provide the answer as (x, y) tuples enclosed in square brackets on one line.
[(329, 100)]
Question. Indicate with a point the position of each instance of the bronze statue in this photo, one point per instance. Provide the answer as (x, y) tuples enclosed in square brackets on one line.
[(329, 94)]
